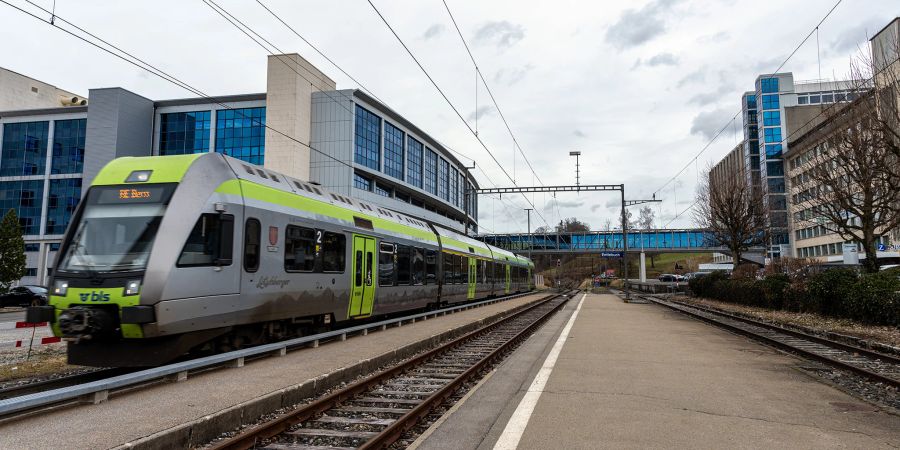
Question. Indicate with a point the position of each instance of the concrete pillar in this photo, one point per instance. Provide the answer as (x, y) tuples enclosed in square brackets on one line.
[(291, 80), (643, 268)]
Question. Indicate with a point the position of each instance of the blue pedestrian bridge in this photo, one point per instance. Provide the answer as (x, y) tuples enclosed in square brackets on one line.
[(657, 241)]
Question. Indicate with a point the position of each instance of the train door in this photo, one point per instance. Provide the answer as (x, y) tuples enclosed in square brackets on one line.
[(473, 278), (362, 291), (507, 278)]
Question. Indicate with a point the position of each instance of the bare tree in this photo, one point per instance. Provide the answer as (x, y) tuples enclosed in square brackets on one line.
[(607, 225), (646, 218), (732, 213)]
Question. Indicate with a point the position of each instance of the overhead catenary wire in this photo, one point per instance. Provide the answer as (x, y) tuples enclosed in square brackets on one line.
[(452, 106)]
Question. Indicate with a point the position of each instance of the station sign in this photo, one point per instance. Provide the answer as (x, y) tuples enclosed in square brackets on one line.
[(610, 254)]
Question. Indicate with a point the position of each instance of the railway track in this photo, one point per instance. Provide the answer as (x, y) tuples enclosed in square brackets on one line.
[(875, 366), (375, 412)]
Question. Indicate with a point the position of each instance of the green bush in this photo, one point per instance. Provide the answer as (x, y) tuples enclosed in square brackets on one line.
[(828, 291), (874, 299)]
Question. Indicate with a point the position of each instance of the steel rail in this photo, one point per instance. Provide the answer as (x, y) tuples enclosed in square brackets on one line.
[(693, 312), (98, 391), (253, 436)]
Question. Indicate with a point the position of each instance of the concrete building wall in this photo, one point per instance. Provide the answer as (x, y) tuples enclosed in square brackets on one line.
[(729, 168), (290, 82), (20, 92), (120, 123)]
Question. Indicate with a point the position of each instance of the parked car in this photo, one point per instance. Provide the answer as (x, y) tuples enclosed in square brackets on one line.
[(26, 295), (667, 278)]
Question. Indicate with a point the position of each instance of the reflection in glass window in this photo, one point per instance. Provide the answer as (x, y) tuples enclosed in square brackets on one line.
[(333, 252), (771, 118), (769, 85), (430, 181), (25, 197), (63, 197), (184, 132), (368, 138), (443, 188), (299, 249), (24, 148), (68, 146), (414, 162), (393, 150), (773, 134), (241, 133), (203, 246), (386, 264), (770, 102)]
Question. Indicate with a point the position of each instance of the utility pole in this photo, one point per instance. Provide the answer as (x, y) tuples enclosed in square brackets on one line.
[(466, 196), (576, 154), (530, 238), (625, 244)]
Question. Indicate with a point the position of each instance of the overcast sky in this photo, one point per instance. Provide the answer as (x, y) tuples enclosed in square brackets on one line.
[(638, 87)]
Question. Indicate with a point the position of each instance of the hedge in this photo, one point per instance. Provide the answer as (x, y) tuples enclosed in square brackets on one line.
[(869, 298)]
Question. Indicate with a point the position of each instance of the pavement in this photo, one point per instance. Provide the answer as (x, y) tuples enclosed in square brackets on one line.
[(642, 376), (166, 407)]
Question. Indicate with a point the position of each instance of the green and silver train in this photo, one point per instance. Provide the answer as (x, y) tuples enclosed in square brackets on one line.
[(175, 255)]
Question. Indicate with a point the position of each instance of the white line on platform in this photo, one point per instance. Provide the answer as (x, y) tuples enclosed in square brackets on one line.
[(511, 435)]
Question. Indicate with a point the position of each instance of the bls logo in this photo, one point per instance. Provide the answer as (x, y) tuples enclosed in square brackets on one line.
[(94, 296)]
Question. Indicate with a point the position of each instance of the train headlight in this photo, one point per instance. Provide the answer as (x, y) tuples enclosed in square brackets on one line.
[(133, 287), (60, 287)]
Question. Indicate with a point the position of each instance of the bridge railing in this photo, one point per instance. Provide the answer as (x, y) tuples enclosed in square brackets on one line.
[(683, 239)]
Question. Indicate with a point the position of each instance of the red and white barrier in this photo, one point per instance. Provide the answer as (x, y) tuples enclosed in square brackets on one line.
[(14, 325), (24, 343)]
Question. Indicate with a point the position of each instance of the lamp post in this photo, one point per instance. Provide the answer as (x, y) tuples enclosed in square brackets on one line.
[(576, 154)]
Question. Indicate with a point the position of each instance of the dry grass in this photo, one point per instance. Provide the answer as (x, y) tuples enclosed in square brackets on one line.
[(883, 334), (43, 362)]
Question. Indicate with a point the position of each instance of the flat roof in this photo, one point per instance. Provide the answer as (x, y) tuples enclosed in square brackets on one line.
[(212, 99), (44, 111)]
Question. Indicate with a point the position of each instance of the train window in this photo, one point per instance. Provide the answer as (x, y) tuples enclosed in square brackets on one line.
[(210, 242), (418, 266), (333, 252), (459, 269), (252, 230), (359, 268), (386, 264), (484, 271), (362, 223), (448, 268), (430, 266), (299, 249), (403, 262)]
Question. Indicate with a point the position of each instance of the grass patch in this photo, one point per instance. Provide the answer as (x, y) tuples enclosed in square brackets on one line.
[(42, 362)]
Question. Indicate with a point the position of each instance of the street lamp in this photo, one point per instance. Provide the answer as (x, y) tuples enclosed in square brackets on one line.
[(576, 154)]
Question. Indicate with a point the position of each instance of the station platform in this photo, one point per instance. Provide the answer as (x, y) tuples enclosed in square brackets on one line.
[(622, 375)]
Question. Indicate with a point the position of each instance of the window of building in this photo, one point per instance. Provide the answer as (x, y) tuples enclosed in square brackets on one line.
[(414, 150), (252, 239), (30, 271), (814, 99), (33, 247), (802, 100), (773, 151), (454, 187), (430, 181), (54, 247), (771, 118), (386, 264), (368, 138), (241, 133), (68, 146), (751, 101), (827, 98), (361, 182), (393, 150), (334, 247), (382, 190), (24, 148), (443, 188), (770, 102), (184, 132), (25, 197), (772, 135), (769, 85), (209, 243), (299, 249), (840, 97), (62, 199)]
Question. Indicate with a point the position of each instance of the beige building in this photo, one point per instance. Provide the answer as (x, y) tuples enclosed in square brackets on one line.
[(729, 168), (20, 92)]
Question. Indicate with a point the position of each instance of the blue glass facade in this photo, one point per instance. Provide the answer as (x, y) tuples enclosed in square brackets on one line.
[(430, 181), (443, 187), (414, 151), (368, 138), (768, 85), (241, 134), (24, 149), (62, 199), (25, 197), (184, 132), (393, 150), (68, 146)]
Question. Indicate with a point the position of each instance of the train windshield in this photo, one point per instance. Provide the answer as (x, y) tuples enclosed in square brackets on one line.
[(116, 229)]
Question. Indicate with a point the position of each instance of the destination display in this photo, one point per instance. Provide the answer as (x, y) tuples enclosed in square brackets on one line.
[(110, 195)]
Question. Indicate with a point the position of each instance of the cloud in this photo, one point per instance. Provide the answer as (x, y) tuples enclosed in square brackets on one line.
[(636, 27), (851, 39), (579, 133), (708, 123), (482, 111), (693, 77), (513, 75), (433, 31), (720, 93), (662, 59), (714, 38), (502, 34)]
